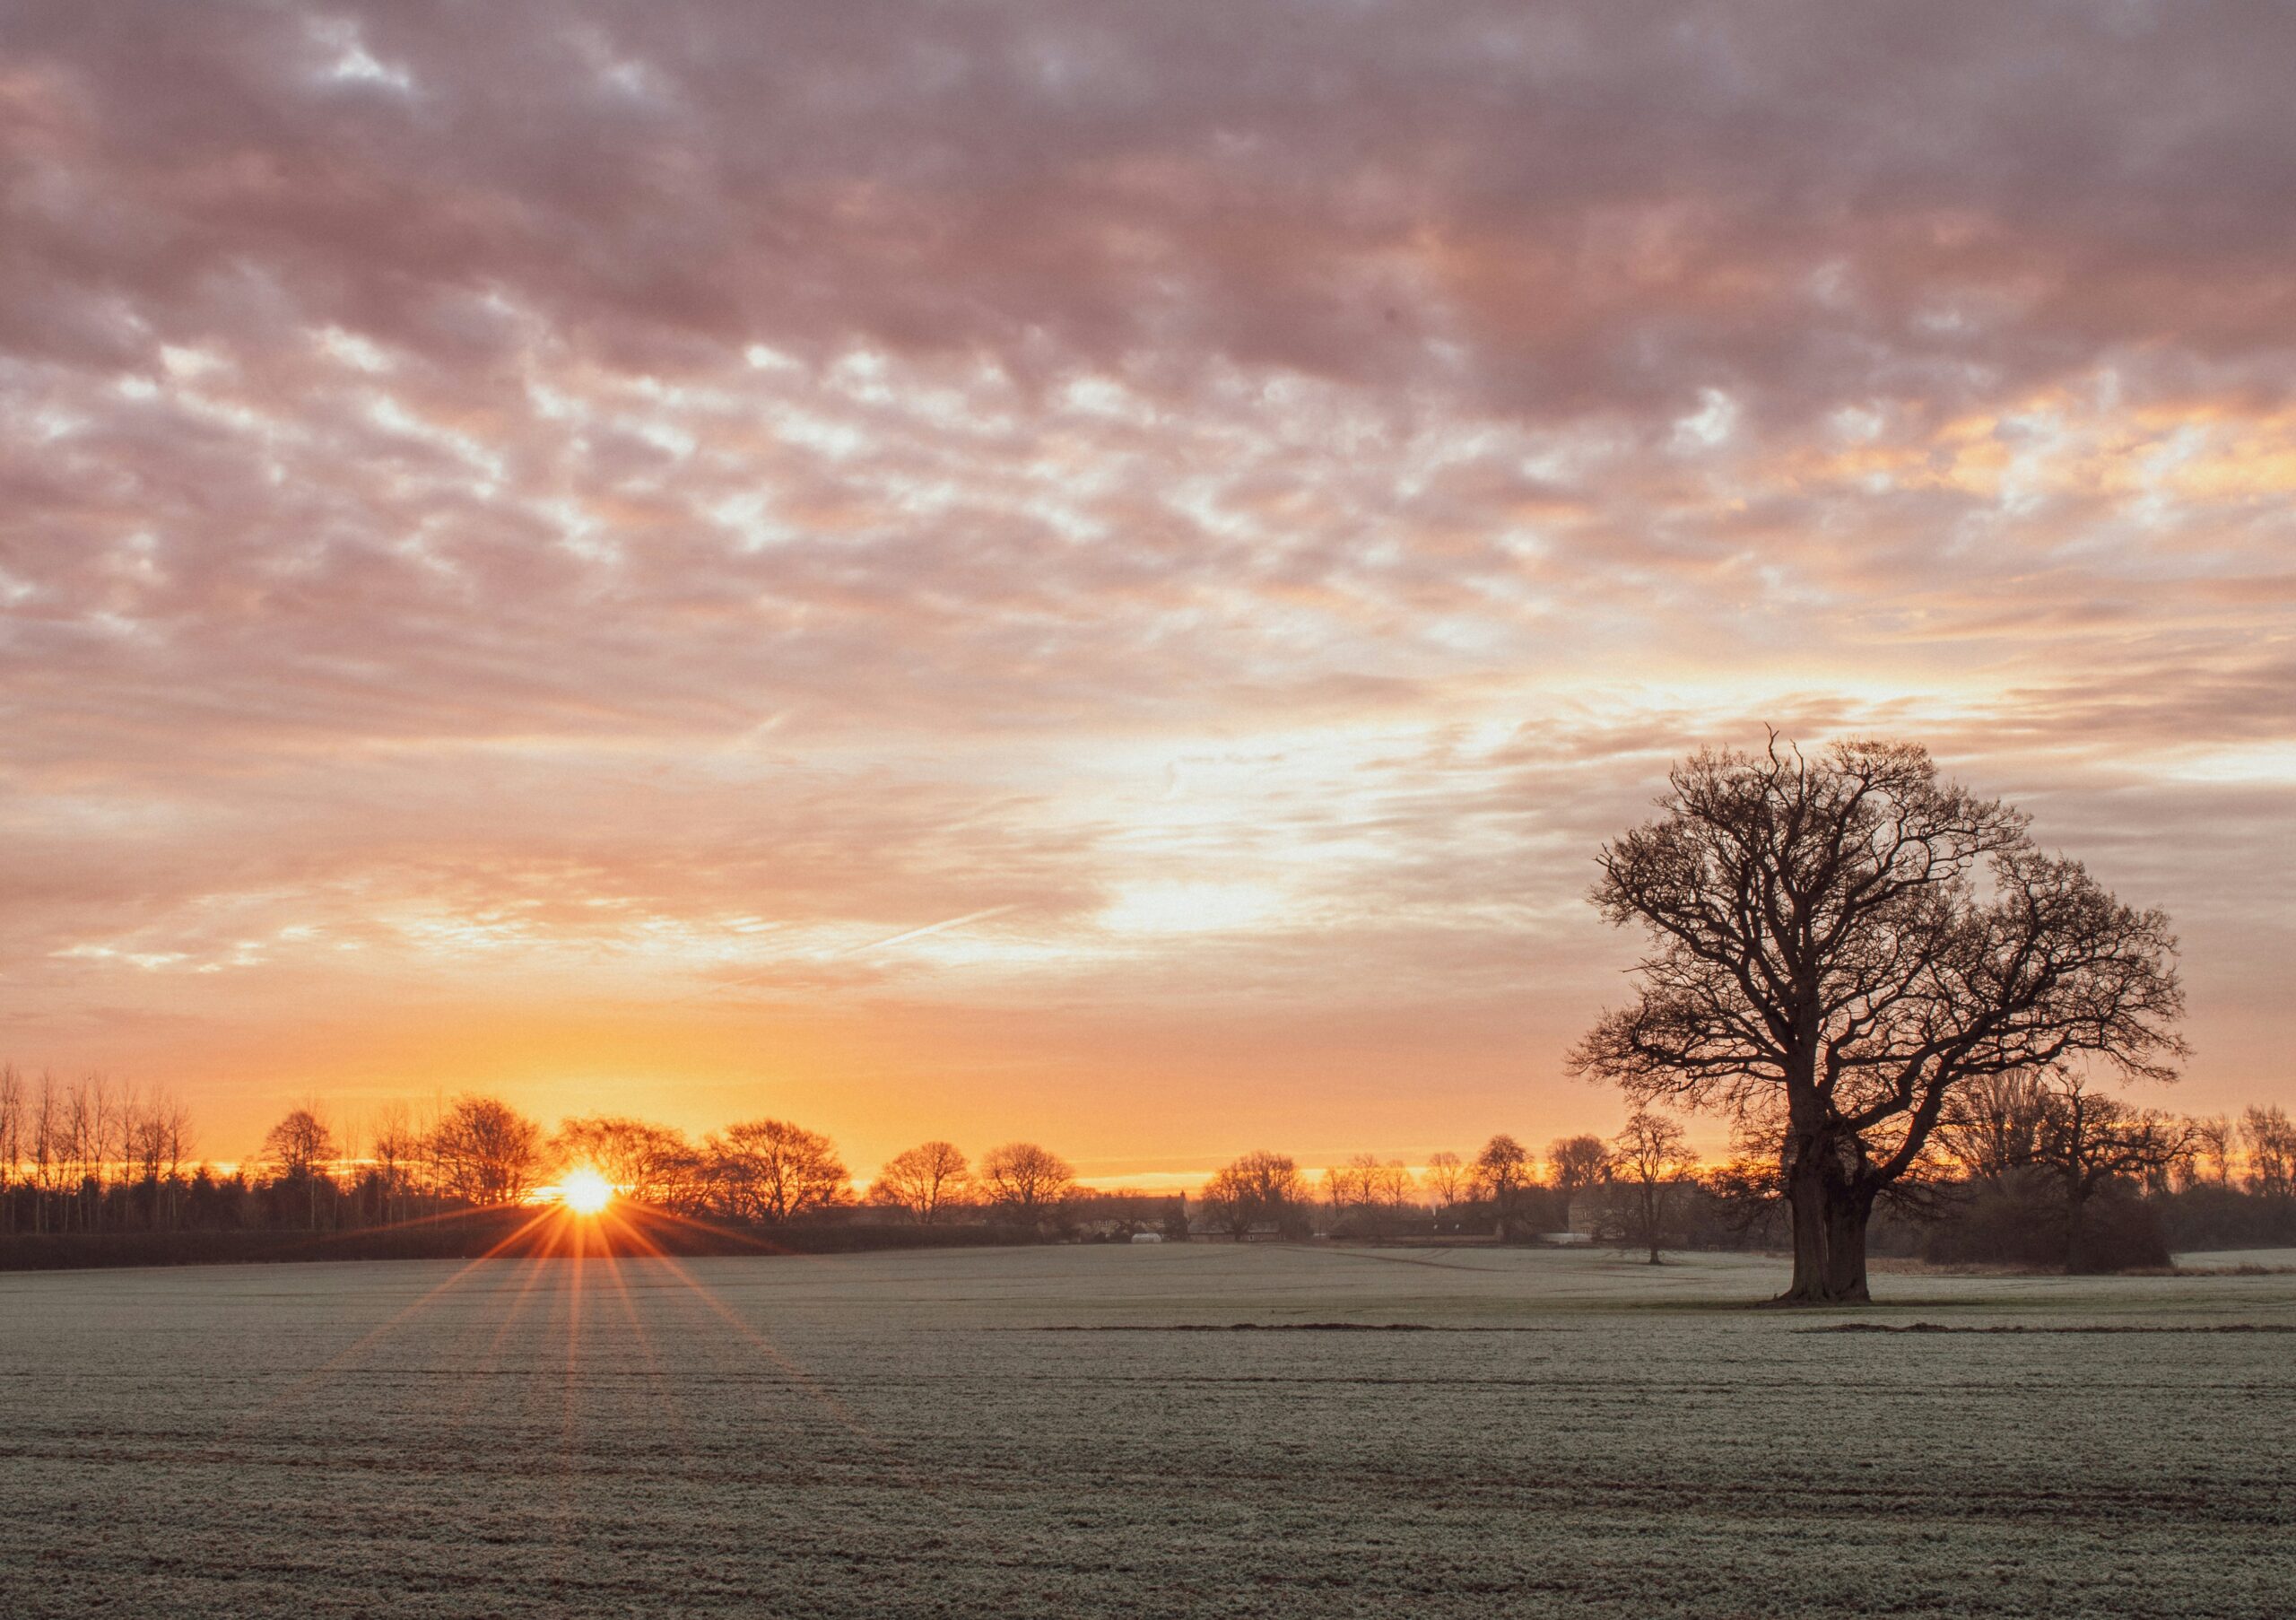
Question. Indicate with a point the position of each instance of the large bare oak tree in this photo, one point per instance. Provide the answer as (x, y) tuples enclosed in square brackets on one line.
[(1839, 944)]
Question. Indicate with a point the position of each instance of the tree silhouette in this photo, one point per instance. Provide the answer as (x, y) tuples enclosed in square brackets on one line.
[(1574, 1164), (2089, 1139), (486, 1151), (646, 1164), (2272, 1152), (771, 1170), (1447, 1178), (924, 1180), (1651, 1156), (297, 1149), (2216, 1142), (1824, 965), (1502, 1174), (1024, 1181), (1260, 1189)]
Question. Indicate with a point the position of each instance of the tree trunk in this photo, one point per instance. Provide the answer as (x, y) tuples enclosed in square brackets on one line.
[(1806, 1198), (2077, 1199), (1830, 1221), (1846, 1224)]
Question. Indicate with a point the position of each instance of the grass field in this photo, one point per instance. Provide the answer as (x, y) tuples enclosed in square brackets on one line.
[(1052, 1432)]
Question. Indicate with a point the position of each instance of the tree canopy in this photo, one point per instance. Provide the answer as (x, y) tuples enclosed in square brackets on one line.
[(1260, 1189), (486, 1151), (770, 1170), (924, 1180), (1025, 1182)]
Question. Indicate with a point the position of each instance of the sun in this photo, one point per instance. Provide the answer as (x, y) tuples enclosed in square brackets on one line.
[(585, 1192)]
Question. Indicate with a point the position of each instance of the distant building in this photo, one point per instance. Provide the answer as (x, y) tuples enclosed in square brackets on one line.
[(1118, 1217), (1260, 1232), (1590, 1210), (1147, 1237)]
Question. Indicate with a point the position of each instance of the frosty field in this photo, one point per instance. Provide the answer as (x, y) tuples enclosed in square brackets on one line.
[(1047, 1432)]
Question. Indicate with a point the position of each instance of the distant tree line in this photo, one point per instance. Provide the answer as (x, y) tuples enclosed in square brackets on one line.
[(2029, 1168), (91, 1157), (2040, 1170), (2032, 1169)]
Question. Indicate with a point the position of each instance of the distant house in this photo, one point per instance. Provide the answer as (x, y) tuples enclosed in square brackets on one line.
[(1591, 1210), (1118, 1217), (1259, 1232)]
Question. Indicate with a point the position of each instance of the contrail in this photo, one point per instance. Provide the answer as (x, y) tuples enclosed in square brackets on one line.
[(874, 945), (930, 927)]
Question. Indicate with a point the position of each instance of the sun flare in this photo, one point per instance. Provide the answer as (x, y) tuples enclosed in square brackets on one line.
[(585, 1192)]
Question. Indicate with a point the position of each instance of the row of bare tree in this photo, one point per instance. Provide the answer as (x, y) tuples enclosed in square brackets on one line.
[(1648, 1162), (76, 1146), (1269, 1192), (2052, 1139), (771, 1170), (482, 1152), (89, 1156), (66, 1145)]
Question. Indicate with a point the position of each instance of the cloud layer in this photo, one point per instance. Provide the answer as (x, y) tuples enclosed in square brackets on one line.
[(539, 538)]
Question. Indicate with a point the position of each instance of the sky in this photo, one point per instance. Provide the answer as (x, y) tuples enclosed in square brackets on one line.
[(1093, 572)]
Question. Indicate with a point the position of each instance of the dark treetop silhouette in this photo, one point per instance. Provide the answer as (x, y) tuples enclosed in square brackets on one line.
[(1839, 944)]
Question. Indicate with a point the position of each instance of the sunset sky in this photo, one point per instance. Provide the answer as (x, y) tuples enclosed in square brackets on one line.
[(1093, 572)]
